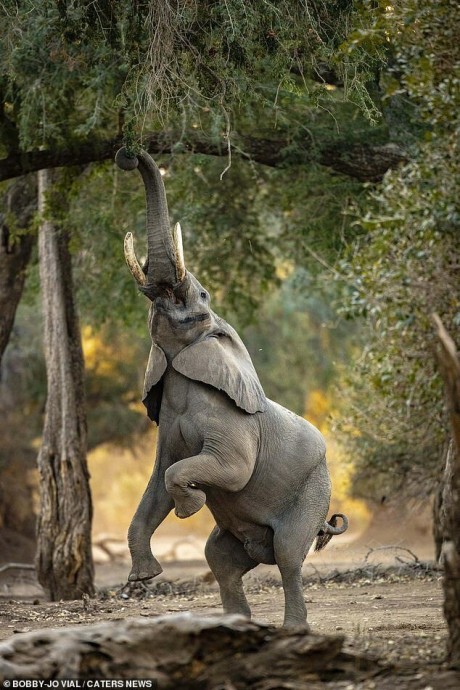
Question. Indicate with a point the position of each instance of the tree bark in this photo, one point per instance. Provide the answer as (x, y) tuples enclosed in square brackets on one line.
[(64, 561), (185, 651), (450, 510), (442, 499), (20, 203), (364, 162)]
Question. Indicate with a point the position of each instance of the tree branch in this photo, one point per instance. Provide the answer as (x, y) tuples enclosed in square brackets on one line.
[(365, 163)]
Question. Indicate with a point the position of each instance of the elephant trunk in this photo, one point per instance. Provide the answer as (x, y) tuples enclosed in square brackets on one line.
[(165, 259)]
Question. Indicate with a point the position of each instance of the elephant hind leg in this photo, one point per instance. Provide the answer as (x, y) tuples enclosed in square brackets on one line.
[(293, 537), (229, 561)]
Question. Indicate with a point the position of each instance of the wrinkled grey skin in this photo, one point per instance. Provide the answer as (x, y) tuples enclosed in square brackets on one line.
[(260, 469)]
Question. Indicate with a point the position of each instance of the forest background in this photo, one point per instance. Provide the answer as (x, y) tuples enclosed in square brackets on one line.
[(310, 152)]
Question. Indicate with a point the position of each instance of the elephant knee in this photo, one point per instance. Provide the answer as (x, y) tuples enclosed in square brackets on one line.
[(172, 479)]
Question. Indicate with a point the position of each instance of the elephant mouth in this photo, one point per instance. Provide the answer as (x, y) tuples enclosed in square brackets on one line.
[(174, 316), (192, 319)]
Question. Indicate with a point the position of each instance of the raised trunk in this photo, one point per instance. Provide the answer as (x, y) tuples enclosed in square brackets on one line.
[(64, 561), (161, 255), (20, 203)]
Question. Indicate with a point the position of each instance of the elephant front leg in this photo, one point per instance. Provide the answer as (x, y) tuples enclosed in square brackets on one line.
[(188, 498), (155, 505), (184, 479), (181, 483)]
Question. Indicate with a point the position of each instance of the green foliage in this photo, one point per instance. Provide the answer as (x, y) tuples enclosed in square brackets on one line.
[(400, 273), (104, 205), (58, 83), (418, 41), (313, 210), (427, 59), (405, 267), (71, 68), (309, 73), (298, 344), (114, 374), (114, 378), (236, 230), (226, 245), (232, 50)]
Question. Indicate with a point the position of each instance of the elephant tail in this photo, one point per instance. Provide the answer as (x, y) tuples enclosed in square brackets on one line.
[(329, 529)]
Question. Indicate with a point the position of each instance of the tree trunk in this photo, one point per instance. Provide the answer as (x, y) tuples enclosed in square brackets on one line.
[(20, 204), (442, 499), (449, 514), (64, 561)]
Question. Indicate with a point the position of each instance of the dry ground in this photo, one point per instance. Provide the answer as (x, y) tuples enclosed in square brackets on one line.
[(386, 602)]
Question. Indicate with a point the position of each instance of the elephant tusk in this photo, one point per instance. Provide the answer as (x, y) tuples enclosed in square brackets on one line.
[(179, 250), (131, 260)]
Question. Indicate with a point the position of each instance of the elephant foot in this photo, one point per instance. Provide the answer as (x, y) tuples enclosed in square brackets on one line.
[(145, 569), (190, 503)]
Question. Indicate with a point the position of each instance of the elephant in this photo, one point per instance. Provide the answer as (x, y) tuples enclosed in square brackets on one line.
[(260, 468)]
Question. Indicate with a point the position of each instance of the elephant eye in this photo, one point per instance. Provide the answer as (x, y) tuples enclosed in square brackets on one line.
[(203, 295)]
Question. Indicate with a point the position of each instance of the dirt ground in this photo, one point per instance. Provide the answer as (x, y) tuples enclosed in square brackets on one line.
[(387, 601)]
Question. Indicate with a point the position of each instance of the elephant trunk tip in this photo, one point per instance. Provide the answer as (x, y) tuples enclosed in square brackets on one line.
[(125, 160)]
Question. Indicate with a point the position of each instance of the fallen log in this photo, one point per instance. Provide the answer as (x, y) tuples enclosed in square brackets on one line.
[(184, 651)]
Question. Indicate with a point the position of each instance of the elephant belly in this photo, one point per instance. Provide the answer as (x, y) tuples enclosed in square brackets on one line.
[(258, 543)]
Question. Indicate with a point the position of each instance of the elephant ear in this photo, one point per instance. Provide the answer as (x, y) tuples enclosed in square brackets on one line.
[(153, 384), (222, 361)]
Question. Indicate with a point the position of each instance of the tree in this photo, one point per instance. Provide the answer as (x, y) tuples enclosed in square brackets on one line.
[(450, 515), (404, 266), (78, 77), (362, 161), (64, 561), (188, 77), (402, 269), (15, 249)]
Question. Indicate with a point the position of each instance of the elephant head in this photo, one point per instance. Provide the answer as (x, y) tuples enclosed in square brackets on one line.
[(185, 331)]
